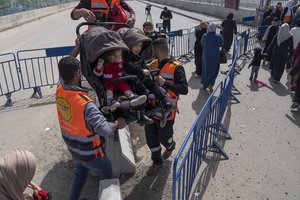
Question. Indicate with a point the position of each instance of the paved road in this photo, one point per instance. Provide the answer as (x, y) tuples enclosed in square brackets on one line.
[(264, 154)]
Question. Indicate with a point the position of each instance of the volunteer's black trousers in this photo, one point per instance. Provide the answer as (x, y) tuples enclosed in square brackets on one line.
[(155, 135)]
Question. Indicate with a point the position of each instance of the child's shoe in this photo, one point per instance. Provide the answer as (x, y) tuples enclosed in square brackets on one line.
[(137, 100), (111, 106)]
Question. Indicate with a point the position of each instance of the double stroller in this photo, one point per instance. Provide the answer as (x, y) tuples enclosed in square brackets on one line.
[(94, 43)]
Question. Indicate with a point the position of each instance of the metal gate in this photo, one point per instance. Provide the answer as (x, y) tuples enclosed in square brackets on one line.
[(9, 76), (39, 67)]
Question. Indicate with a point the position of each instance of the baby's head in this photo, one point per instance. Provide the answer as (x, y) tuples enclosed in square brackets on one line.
[(136, 48), (112, 56)]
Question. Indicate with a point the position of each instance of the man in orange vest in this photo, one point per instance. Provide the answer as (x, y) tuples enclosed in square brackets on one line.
[(172, 77), (83, 127), (92, 10)]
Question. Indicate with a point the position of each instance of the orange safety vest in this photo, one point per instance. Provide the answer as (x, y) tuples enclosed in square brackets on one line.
[(84, 144), (167, 72), (102, 9)]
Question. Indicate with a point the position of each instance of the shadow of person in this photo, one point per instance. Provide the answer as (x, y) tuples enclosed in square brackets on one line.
[(253, 86), (194, 83), (212, 161), (279, 88), (28, 103), (294, 116), (59, 179), (150, 188), (199, 102)]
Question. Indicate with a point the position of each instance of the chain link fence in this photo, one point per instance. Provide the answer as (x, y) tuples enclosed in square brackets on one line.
[(8, 7)]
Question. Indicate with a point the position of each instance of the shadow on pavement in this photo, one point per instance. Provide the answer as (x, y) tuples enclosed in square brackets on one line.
[(194, 83), (199, 102), (150, 188), (212, 161), (294, 116), (58, 181), (28, 103)]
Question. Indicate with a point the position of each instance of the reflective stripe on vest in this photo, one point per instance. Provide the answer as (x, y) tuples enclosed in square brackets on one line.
[(103, 6), (83, 144), (167, 72)]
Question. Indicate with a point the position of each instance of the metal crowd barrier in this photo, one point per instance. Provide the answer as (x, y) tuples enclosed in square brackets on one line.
[(202, 137), (178, 42), (39, 67), (30, 69)]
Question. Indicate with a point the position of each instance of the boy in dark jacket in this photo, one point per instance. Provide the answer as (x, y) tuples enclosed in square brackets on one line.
[(255, 64), (134, 64)]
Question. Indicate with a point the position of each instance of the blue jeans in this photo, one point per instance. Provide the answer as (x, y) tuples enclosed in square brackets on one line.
[(101, 167)]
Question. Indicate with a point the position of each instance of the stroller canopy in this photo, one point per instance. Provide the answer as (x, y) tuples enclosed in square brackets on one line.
[(131, 36), (99, 40)]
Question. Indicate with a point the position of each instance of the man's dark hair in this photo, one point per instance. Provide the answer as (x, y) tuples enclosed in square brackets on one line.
[(147, 24), (67, 68), (162, 44), (298, 22)]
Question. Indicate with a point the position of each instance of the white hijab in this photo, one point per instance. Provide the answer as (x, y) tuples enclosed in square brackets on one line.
[(212, 28), (283, 33)]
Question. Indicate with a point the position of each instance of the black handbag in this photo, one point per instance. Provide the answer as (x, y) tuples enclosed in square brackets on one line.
[(223, 57)]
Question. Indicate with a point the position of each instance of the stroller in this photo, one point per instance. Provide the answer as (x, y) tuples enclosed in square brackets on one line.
[(94, 43)]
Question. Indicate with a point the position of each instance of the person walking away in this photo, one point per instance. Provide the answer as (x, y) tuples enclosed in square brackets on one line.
[(198, 49), (280, 49), (286, 15), (104, 11), (295, 75), (212, 44), (171, 77), (295, 18), (296, 33), (166, 16), (255, 64), (83, 126), (268, 37), (17, 169), (229, 28)]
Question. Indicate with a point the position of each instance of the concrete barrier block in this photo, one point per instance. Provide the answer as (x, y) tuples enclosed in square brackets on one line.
[(119, 151), (109, 189)]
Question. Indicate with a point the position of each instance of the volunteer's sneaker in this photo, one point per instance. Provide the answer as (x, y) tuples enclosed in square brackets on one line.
[(210, 88), (167, 154), (138, 100)]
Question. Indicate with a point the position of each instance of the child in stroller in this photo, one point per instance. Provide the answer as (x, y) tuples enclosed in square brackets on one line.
[(101, 55), (137, 43)]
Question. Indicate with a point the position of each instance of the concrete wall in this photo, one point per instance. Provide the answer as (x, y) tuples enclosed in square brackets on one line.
[(211, 10), (11, 21)]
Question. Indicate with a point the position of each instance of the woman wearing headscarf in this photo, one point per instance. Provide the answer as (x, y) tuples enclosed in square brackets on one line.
[(269, 35), (280, 49), (17, 169), (212, 43), (229, 28), (198, 49), (286, 15), (295, 74)]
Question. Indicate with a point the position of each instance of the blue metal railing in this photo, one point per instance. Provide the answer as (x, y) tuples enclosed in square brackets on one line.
[(202, 137)]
